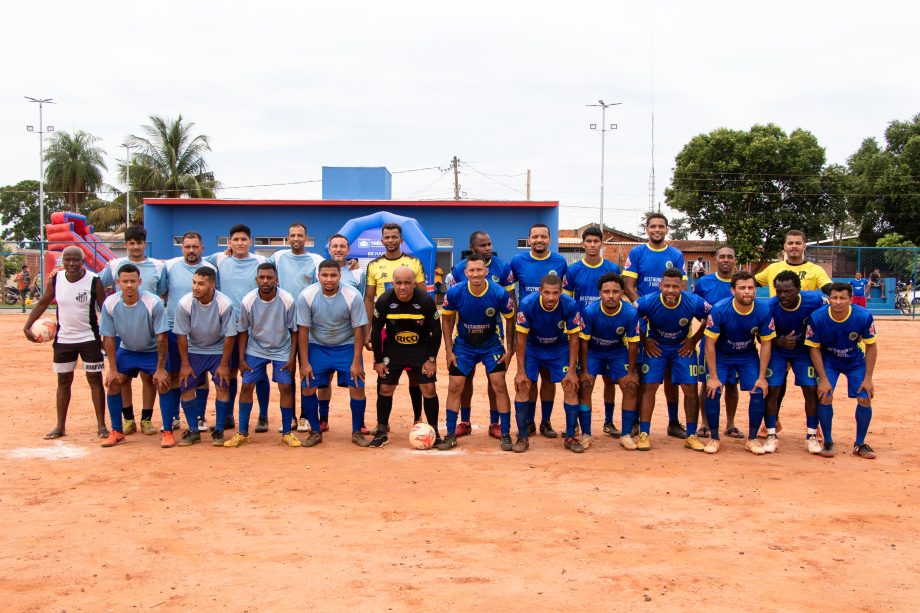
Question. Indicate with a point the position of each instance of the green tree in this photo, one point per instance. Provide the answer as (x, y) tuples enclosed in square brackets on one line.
[(19, 211), (679, 229), (74, 165), (751, 186), (900, 262)]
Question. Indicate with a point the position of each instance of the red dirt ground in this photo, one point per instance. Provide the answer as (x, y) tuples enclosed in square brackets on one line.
[(266, 527)]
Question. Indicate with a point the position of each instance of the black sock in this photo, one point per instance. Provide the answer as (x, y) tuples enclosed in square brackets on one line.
[(384, 407), (431, 412), (128, 412), (146, 414), (415, 394)]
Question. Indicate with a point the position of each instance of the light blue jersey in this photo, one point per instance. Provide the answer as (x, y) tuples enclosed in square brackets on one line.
[(645, 265), (138, 324), (269, 325), (352, 278), (205, 325), (296, 272), (237, 275), (331, 319), (153, 275), (179, 282)]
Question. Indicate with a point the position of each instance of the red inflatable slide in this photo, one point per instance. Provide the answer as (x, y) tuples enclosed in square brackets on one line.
[(68, 229)]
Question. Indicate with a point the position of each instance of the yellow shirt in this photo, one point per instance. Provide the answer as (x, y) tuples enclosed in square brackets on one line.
[(810, 274), (380, 272)]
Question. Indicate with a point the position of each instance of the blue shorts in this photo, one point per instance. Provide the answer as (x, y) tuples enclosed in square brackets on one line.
[(258, 370), (701, 365), (328, 360), (747, 367), (173, 359), (555, 359), (133, 362), (683, 369), (202, 364), (468, 356), (614, 365), (801, 366), (854, 372)]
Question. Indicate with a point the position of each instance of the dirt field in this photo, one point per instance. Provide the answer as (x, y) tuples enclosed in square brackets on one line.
[(266, 527)]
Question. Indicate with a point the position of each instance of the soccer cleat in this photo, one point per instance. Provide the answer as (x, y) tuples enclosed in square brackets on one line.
[(202, 424), (644, 443), (114, 438), (611, 430), (813, 445), (290, 439), (864, 451), (753, 445), (303, 425), (358, 439), (448, 443), (693, 442), (167, 439), (586, 440), (217, 438), (677, 430), (130, 427), (262, 424), (176, 424), (495, 431), (147, 427), (712, 446), (379, 430), (531, 429), (546, 429), (771, 444), (573, 445), (829, 450), (627, 442), (313, 439), (380, 439), (506, 443), (237, 440), (364, 430), (229, 423), (189, 438), (464, 428), (521, 445)]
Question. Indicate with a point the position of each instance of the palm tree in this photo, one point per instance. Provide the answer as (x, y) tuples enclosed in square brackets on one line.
[(74, 166)]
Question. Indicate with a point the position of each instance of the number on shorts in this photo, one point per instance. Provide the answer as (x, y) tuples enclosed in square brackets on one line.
[(811, 372)]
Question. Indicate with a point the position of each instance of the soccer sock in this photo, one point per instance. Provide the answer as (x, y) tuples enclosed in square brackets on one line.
[(672, 412), (147, 414), (756, 410), (323, 409), (223, 408), (608, 412), (584, 419), (505, 421), (128, 412), (263, 389), (415, 395), (245, 412), (521, 417), (175, 411), (357, 414), (645, 426), (691, 428), (713, 411), (287, 416), (166, 410), (494, 416), (531, 411), (629, 419), (233, 390), (202, 396), (811, 425), (546, 410), (571, 418), (432, 407), (826, 419), (770, 422), (451, 422), (309, 407), (384, 407), (114, 403), (863, 417), (190, 407), (465, 414)]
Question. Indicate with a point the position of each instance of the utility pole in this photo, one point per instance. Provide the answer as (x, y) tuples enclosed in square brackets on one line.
[(456, 164), (128, 148), (41, 182), (604, 106), (528, 184)]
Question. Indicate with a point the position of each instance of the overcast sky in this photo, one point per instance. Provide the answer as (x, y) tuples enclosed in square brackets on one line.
[(283, 89)]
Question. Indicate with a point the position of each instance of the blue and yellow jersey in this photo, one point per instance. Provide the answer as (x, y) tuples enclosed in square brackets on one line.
[(671, 325), (498, 272), (548, 328), (735, 331), (810, 274), (580, 280), (528, 270), (795, 321), (609, 332), (712, 288), (859, 287), (645, 265), (476, 313), (843, 340)]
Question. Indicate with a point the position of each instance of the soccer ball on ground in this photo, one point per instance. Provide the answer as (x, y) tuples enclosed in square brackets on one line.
[(44, 329), (421, 436)]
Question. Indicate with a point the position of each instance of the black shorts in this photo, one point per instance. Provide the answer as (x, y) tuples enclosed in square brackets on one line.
[(395, 369), (66, 354)]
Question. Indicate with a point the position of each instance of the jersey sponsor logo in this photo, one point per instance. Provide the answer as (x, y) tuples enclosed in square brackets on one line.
[(406, 338), (82, 296), (802, 274), (683, 321), (853, 336), (417, 307), (393, 305), (521, 319), (490, 312)]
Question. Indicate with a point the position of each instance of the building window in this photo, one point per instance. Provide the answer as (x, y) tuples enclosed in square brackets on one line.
[(177, 241), (265, 241), (444, 243), (522, 243)]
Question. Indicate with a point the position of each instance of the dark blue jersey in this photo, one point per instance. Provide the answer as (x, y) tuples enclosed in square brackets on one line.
[(645, 265), (609, 332), (528, 271), (712, 288), (795, 321), (548, 328), (498, 272), (734, 331), (859, 287), (671, 325), (476, 313), (581, 279), (841, 341)]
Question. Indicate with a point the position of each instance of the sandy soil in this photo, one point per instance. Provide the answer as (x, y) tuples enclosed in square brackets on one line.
[(266, 527)]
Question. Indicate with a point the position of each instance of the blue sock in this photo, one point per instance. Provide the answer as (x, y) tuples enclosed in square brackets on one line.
[(309, 406), (546, 410), (608, 412), (522, 417), (245, 412), (756, 410), (672, 412), (190, 407), (826, 419), (811, 422), (493, 416), (223, 408), (357, 414), (115, 404), (323, 409), (770, 421), (452, 422), (571, 418), (263, 389), (691, 428), (201, 395), (584, 418), (645, 426), (531, 411), (465, 414), (505, 420), (863, 417), (629, 420), (713, 412), (234, 384), (287, 416), (166, 410), (174, 410)]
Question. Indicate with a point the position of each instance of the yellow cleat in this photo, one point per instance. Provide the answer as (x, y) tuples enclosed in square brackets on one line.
[(644, 444), (694, 443), (291, 440), (237, 440)]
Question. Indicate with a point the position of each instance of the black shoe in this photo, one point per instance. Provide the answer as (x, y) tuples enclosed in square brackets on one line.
[(380, 439), (379, 430), (611, 430), (229, 423), (449, 442), (573, 445), (546, 429), (677, 430), (635, 430), (531, 429), (189, 438), (521, 445), (217, 438), (262, 425), (506, 442)]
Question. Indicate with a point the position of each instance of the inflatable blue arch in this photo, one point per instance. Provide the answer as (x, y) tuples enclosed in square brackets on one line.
[(363, 234)]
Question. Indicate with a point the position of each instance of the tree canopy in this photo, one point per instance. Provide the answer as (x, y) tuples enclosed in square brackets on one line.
[(74, 165), (19, 211)]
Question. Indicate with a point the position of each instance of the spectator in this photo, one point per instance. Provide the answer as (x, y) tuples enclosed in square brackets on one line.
[(875, 280), (23, 281)]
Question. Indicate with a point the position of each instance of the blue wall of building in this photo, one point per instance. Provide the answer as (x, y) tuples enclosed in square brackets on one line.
[(353, 183)]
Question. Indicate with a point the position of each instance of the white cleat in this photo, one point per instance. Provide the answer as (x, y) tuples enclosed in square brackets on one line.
[(627, 442), (712, 446), (771, 444), (303, 425), (813, 445), (754, 446)]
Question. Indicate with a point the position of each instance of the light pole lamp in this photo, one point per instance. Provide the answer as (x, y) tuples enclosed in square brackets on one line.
[(604, 106), (41, 181), (128, 147)]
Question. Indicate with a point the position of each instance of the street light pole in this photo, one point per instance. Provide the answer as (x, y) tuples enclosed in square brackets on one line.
[(128, 148), (604, 106), (41, 181)]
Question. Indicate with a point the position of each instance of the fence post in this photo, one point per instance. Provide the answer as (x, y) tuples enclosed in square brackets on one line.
[(913, 285), (859, 259)]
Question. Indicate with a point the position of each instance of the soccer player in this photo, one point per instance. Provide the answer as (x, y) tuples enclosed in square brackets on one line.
[(205, 329), (610, 348), (645, 265), (78, 294), (714, 288), (669, 345), (380, 278), (410, 320), (138, 318), (473, 306), (528, 270), (330, 328), (860, 287), (497, 272), (237, 278), (338, 252), (547, 328), (841, 339), (810, 274), (581, 283), (731, 330), (791, 309)]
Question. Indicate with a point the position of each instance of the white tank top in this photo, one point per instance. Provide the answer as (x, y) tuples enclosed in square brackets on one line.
[(77, 314)]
